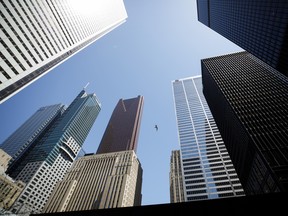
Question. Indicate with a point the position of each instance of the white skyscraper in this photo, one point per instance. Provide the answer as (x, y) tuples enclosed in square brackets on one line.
[(37, 35), (208, 172)]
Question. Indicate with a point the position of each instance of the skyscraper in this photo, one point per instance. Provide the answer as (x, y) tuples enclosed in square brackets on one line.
[(41, 166), (259, 27), (38, 35), (176, 178), (123, 129), (113, 176), (208, 172), (22, 139), (248, 99), (98, 181)]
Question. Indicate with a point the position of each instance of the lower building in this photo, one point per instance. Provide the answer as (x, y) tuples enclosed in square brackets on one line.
[(99, 181), (176, 178), (9, 191)]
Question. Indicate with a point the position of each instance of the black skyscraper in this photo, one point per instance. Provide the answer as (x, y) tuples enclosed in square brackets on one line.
[(249, 101), (258, 26)]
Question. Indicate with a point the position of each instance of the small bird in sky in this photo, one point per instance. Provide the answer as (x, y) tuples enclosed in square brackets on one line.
[(156, 127)]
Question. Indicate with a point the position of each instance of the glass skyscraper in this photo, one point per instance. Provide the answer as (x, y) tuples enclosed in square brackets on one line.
[(52, 154), (207, 169), (123, 128), (259, 27), (37, 35), (19, 141), (248, 99)]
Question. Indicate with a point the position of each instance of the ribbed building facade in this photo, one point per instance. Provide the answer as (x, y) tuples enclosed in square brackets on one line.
[(248, 99), (43, 165), (123, 128), (37, 35), (98, 181), (259, 27), (22, 139), (176, 178), (208, 171)]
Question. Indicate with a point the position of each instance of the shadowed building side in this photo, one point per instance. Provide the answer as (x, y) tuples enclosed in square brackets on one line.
[(123, 129)]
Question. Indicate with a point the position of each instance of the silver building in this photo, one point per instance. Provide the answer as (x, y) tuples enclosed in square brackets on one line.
[(98, 181), (37, 35), (206, 166)]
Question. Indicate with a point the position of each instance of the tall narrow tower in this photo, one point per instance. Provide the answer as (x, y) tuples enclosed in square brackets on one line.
[(208, 172), (36, 36), (53, 153), (123, 129)]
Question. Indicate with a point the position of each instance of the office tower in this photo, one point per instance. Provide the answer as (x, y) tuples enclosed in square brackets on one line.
[(43, 165), (22, 139), (123, 128), (248, 100), (110, 180), (259, 27), (36, 36), (208, 172), (176, 178)]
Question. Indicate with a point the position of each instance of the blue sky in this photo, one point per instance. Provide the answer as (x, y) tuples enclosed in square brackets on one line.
[(161, 41)]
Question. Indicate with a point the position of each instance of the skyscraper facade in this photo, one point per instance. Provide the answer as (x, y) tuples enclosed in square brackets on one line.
[(123, 128), (22, 139), (259, 27), (98, 181), (248, 99), (208, 171), (38, 35), (43, 165), (176, 178)]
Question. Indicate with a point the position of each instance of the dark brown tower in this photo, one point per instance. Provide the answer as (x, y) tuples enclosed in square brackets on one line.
[(122, 131)]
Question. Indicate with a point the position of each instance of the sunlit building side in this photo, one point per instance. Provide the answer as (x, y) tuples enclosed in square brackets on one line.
[(36, 36), (176, 178), (208, 172)]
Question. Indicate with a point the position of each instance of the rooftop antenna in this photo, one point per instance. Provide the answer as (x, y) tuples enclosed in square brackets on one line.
[(86, 86)]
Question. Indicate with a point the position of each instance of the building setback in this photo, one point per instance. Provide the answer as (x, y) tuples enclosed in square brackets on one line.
[(36, 36), (98, 181), (259, 27), (176, 178), (22, 139), (208, 172), (53, 153), (248, 99), (123, 128)]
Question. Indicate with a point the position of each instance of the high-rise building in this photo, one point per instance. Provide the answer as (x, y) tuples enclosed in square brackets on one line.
[(259, 27), (123, 128), (113, 174), (176, 178), (208, 171), (98, 181), (248, 99), (36, 36), (22, 139), (52, 154)]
